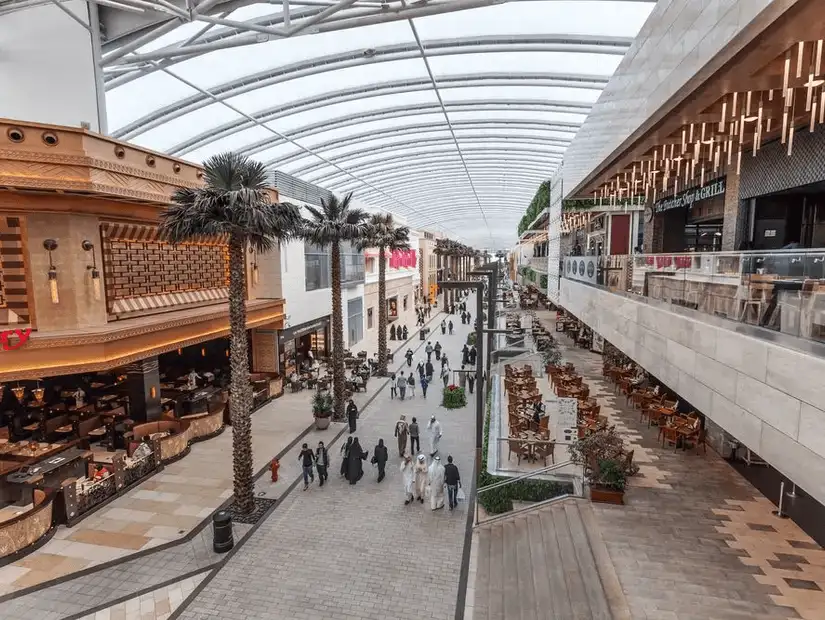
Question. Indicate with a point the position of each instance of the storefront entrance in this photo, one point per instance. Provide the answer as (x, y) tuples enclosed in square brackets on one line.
[(303, 343), (795, 218)]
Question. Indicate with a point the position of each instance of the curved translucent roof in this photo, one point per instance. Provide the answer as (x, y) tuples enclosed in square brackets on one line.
[(450, 112)]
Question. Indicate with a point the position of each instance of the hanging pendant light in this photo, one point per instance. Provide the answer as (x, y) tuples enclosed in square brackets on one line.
[(38, 393), (18, 391), (50, 245)]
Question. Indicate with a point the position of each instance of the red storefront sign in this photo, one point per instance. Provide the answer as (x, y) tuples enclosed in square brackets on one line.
[(403, 259), (21, 335)]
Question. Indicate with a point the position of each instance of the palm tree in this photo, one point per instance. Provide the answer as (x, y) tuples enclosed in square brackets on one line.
[(383, 234), (234, 204), (328, 226)]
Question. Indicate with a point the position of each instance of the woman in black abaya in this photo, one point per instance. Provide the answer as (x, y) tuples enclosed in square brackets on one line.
[(345, 453), (355, 467)]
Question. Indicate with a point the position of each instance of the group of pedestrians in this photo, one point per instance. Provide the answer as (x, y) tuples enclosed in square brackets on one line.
[(400, 385)]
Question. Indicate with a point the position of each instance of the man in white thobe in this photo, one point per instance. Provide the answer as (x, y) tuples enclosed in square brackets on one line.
[(420, 470), (434, 428), (435, 478), (408, 475)]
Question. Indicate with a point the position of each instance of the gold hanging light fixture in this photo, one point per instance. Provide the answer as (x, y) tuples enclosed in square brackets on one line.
[(88, 246), (50, 245), (18, 391)]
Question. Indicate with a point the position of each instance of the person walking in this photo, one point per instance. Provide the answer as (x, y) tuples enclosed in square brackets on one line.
[(420, 471), (453, 480), (352, 415), (393, 388), (429, 350), (445, 375), (450, 326), (437, 350), (462, 378), (380, 457), (307, 458), (465, 354), (429, 370), (408, 475), (411, 384), (420, 369), (409, 356), (471, 380), (443, 329), (444, 361), (401, 384), (322, 463), (415, 444), (434, 428), (345, 453), (402, 430), (472, 355), (424, 384), (355, 468), (435, 478)]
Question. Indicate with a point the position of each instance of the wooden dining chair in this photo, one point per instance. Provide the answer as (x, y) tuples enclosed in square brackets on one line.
[(520, 447), (543, 450)]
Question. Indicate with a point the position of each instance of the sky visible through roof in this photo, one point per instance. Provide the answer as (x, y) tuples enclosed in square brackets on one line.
[(456, 139)]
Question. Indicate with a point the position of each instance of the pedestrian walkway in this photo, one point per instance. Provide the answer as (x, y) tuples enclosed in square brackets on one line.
[(347, 552), (56, 587)]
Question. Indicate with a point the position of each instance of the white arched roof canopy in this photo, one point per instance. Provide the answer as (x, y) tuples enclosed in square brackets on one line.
[(448, 112)]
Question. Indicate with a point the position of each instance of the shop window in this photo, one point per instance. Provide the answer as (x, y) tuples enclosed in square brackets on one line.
[(369, 318), (317, 267), (355, 320)]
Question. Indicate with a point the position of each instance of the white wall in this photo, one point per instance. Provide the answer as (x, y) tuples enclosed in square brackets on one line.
[(769, 397), (47, 67)]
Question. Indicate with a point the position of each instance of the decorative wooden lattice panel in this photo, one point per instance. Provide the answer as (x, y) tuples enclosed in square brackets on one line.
[(144, 273)]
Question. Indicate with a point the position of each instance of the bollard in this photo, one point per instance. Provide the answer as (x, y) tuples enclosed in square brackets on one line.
[(792, 492), (779, 512), (222, 531)]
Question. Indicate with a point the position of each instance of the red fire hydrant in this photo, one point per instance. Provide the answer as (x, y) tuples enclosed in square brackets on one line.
[(273, 467)]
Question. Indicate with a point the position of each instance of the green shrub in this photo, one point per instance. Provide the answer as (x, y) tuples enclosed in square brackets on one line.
[(453, 397), (471, 339)]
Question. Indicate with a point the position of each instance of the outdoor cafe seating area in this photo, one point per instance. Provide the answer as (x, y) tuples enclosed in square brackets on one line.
[(567, 383), (317, 375), (657, 407), (528, 438)]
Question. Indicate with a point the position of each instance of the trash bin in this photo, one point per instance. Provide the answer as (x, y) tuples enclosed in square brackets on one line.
[(222, 531), (422, 334)]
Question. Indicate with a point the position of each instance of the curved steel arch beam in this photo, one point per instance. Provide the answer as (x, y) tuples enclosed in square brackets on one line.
[(521, 170), (389, 53), (419, 128), (378, 90), (447, 183), (441, 156), (516, 140), (271, 142)]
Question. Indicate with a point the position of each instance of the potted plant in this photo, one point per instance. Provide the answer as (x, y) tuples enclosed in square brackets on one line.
[(607, 482), (322, 408), (605, 463), (454, 397)]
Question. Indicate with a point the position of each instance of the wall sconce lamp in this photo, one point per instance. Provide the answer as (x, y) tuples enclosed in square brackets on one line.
[(88, 246), (255, 274), (39, 392), (51, 245)]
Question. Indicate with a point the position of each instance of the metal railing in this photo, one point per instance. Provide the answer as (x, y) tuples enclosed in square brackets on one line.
[(782, 290), (535, 497)]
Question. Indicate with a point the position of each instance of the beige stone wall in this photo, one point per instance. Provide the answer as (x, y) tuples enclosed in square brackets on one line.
[(733, 216)]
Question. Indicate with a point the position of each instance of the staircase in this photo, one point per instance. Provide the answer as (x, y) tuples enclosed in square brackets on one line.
[(548, 563)]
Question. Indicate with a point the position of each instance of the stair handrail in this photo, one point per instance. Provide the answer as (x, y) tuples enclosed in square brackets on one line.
[(531, 474)]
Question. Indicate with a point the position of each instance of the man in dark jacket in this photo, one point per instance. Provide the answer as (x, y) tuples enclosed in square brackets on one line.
[(307, 458), (429, 370), (379, 457), (453, 480), (322, 462), (415, 444)]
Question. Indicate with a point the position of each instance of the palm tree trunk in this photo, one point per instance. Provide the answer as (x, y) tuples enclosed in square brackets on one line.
[(240, 390), (337, 334), (382, 312)]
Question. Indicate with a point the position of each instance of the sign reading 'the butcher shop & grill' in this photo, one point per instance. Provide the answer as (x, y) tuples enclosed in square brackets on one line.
[(690, 197)]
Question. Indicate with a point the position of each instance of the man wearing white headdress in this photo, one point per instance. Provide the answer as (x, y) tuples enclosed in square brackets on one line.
[(408, 475), (420, 471), (434, 428), (435, 478)]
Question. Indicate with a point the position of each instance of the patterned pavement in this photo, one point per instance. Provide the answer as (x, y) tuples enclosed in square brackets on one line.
[(355, 552)]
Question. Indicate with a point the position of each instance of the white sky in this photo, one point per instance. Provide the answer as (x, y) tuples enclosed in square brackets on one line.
[(511, 132)]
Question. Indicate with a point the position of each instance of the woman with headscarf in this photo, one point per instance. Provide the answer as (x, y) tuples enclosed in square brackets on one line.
[(408, 475), (352, 415), (355, 468), (345, 453), (420, 470), (435, 478), (380, 457)]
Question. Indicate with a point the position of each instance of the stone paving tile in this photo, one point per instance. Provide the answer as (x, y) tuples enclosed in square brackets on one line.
[(156, 605), (675, 543), (354, 552)]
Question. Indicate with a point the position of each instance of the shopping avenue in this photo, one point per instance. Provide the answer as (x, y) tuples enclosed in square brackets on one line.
[(404, 309)]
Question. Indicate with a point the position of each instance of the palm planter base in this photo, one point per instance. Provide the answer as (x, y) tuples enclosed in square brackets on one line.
[(322, 424)]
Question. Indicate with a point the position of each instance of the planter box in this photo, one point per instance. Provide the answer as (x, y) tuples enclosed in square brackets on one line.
[(606, 496), (322, 423)]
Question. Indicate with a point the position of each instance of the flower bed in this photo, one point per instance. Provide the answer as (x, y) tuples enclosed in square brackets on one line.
[(453, 397)]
